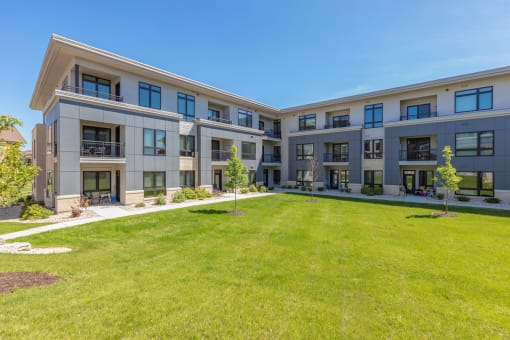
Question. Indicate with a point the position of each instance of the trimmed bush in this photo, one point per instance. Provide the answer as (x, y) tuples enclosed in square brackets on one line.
[(320, 189), (440, 196), (189, 193), (202, 193), (34, 211), (262, 189), (378, 191), (463, 198), (492, 200), (270, 188), (179, 197), (303, 188), (294, 187), (160, 200), (140, 205), (245, 190)]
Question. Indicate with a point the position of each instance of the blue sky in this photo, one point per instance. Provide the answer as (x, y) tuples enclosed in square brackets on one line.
[(281, 53)]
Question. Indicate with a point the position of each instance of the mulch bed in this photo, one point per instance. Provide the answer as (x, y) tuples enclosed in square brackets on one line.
[(443, 214), (9, 281)]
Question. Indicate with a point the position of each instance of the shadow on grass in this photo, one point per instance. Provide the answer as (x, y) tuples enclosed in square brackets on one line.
[(422, 216), (209, 211), (424, 205)]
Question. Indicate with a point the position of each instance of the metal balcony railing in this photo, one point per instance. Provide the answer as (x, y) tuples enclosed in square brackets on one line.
[(336, 157), (187, 153), (272, 133), (418, 155), (405, 116), (269, 158), (92, 93), (219, 155), (219, 120), (337, 125), (90, 148)]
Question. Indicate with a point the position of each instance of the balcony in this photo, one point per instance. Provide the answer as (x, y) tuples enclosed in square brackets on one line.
[(92, 93), (405, 116), (418, 155), (220, 156), (337, 125), (96, 149), (269, 158), (336, 157), (219, 120), (273, 134)]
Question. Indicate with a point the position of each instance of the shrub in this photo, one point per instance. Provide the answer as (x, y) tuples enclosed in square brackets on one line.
[(34, 211), (179, 197), (320, 189), (378, 191), (309, 188), (303, 188), (140, 205), (202, 193), (189, 193), (294, 187), (160, 200), (75, 211), (462, 198), (270, 188), (262, 189), (244, 190), (492, 200), (252, 188), (440, 196)]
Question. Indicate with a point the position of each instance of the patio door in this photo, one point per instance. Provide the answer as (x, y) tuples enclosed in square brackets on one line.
[(333, 178), (266, 177), (217, 180), (409, 180)]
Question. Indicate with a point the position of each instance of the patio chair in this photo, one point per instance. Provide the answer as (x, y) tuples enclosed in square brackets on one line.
[(95, 197)]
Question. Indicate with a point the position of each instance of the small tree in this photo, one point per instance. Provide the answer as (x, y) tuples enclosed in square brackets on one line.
[(237, 173), (14, 173), (448, 175)]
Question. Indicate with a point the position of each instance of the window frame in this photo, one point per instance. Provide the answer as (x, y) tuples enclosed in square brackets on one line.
[(156, 151), (247, 116), (371, 109), (371, 176), (418, 115), (301, 155), (97, 188), (183, 174), (189, 147), (337, 121), (479, 184), (478, 149), (188, 99), (372, 154), (96, 82), (155, 190), (249, 156), (340, 156), (303, 119), (300, 179), (458, 94), (151, 89)]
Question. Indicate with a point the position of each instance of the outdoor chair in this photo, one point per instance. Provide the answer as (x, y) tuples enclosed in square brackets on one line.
[(95, 197)]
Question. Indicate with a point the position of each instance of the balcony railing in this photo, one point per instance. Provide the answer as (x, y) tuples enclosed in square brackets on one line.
[(92, 93), (269, 158), (418, 155), (272, 133), (90, 148), (219, 120), (337, 125), (336, 157), (219, 155), (405, 116), (187, 153)]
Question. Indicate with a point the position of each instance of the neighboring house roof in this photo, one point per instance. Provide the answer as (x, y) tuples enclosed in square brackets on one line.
[(12, 135)]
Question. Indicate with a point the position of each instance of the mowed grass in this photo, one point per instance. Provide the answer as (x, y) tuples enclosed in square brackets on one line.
[(10, 227), (288, 268)]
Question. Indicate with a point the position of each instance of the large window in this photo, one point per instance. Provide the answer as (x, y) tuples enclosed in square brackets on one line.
[(154, 142), (425, 179), (304, 151), (474, 144), (187, 179), (153, 183), (473, 99), (244, 118), (373, 116), (149, 95), (276, 176), (186, 106), (418, 111), (252, 177), (374, 149), (187, 144), (373, 178), (214, 115), (476, 183), (248, 150), (97, 134), (340, 152), (340, 121), (277, 128), (96, 87), (304, 177), (96, 181), (307, 122)]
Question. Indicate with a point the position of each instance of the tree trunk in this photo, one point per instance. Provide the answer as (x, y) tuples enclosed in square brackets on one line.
[(235, 199), (446, 201)]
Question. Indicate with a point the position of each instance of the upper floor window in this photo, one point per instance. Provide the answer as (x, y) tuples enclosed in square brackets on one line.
[(418, 111), (474, 99), (186, 106), (277, 128), (154, 142), (149, 95), (474, 144), (248, 150), (340, 152), (96, 87), (187, 144), (373, 116), (244, 118), (304, 151), (374, 149), (340, 121), (261, 125), (307, 122), (214, 115)]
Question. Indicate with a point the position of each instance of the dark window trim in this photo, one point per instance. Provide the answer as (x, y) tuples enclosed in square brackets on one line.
[(150, 88), (478, 149), (156, 190), (303, 120), (96, 81), (188, 185), (187, 98), (372, 154), (371, 183), (97, 181), (302, 182), (248, 115), (340, 121), (248, 156), (155, 149), (479, 185), (189, 150), (477, 94), (300, 156), (417, 106), (372, 123)]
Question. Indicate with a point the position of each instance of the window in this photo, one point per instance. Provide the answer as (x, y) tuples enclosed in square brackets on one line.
[(476, 183), (373, 116), (344, 177), (55, 134), (261, 125), (276, 176), (304, 177), (418, 111), (277, 128), (474, 99), (418, 149), (186, 106), (95, 87), (248, 150), (252, 177), (341, 152), (154, 142), (98, 134), (374, 149), (474, 144), (187, 144), (277, 154), (340, 121), (373, 178), (214, 115), (304, 151), (425, 179), (244, 118), (96, 181), (149, 95), (49, 184), (307, 122), (153, 184), (187, 179)]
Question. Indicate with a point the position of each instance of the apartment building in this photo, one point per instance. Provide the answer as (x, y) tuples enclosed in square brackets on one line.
[(131, 131)]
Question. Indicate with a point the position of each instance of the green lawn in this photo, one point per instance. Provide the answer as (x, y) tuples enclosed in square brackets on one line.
[(10, 227), (288, 268)]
